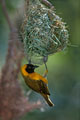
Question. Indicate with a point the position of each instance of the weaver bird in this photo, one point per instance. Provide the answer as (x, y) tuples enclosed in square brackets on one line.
[(36, 82)]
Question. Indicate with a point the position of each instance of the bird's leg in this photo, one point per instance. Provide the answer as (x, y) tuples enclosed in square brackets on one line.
[(46, 72), (29, 61)]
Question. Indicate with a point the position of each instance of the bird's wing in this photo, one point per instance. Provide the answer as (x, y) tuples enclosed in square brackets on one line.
[(43, 87), (39, 82), (37, 85), (37, 76)]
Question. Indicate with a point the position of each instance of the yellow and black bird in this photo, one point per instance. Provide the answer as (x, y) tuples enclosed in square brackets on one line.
[(36, 82)]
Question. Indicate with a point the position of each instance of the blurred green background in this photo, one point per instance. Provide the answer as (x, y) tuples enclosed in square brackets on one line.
[(64, 67)]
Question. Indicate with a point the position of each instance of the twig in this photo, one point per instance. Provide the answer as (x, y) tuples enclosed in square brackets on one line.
[(6, 14), (47, 3), (27, 5)]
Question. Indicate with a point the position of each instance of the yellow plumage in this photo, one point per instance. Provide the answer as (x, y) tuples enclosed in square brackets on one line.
[(36, 82)]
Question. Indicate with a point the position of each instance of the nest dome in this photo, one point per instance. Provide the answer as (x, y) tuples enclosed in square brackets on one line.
[(43, 33)]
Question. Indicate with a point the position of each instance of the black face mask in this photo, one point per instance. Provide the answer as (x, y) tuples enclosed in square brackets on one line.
[(30, 68)]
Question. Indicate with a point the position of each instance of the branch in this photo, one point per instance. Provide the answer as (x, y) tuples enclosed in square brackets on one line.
[(47, 3), (13, 103)]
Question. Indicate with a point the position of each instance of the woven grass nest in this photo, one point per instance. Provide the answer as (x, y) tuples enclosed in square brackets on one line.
[(43, 34)]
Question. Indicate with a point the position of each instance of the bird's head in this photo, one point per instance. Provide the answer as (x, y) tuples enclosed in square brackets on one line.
[(30, 68)]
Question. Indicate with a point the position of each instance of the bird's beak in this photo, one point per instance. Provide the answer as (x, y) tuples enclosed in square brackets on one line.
[(35, 66)]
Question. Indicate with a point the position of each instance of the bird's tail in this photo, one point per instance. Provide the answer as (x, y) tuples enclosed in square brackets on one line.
[(47, 98)]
